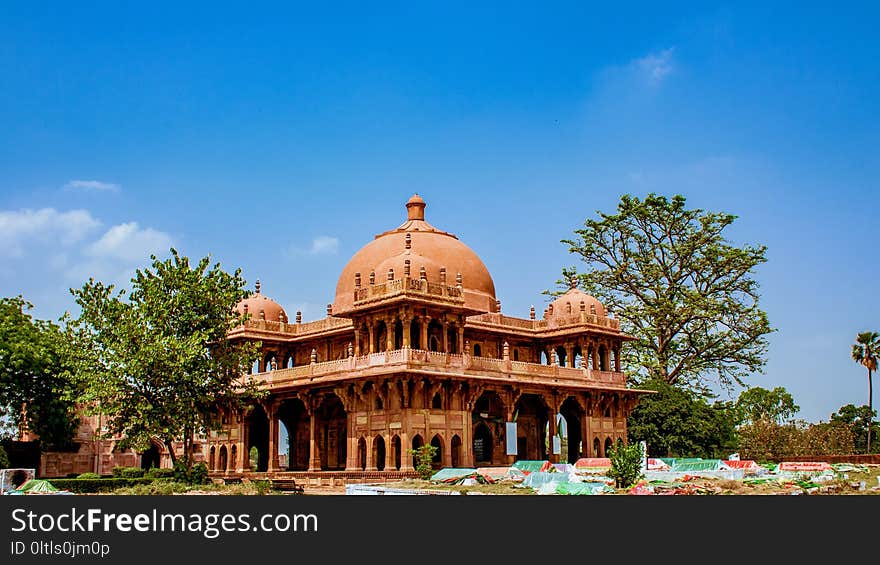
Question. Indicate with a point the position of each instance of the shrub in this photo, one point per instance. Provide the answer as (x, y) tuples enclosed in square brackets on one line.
[(626, 464), (154, 488), (422, 458), (4, 459), (159, 473), (88, 476), (198, 475), (128, 472), (86, 486)]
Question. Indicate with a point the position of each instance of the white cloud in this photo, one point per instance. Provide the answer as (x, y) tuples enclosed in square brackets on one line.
[(96, 185), (46, 225), (324, 245), (656, 66), (128, 242)]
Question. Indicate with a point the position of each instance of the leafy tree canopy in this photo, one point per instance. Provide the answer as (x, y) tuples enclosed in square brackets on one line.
[(678, 422), (35, 387), (758, 403), (858, 418), (157, 362), (679, 287)]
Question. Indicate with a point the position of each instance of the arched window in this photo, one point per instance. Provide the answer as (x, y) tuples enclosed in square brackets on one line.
[(516, 354), (478, 351), (435, 343), (597, 445), (395, 449), (437, 402), (362, 453), (608, 445), (455, 451), (379, 453), (437, 443), (379, 404), (255, 368)]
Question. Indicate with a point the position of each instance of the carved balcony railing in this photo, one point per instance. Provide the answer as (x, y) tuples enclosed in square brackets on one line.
[(553, 323), (407, 286), (441, 363), (306, 328)]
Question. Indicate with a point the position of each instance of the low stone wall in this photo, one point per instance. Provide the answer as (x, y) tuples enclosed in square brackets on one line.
[(323, 478)]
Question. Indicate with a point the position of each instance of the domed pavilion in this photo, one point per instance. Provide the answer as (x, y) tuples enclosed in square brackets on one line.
[(415, 349)]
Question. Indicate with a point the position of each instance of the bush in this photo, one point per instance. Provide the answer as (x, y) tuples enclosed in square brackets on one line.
[(765, 440), (159, 473), (626, 464), (422, 458), (86, 486), (154, 488), (128, 472), (88, 476), (4, 459), (198, 475)]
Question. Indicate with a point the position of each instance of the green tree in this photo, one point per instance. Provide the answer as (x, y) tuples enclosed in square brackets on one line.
[(678, 422), (36, 392), (423, 457), (679, 287), (864, 352), (157, 362), (858, 418), (758, 403)]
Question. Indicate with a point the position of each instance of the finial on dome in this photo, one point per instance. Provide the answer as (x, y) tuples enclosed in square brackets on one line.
[(573, 282), (532, 313), (329, 310), (258, 285), (415, 208), (299, 316)]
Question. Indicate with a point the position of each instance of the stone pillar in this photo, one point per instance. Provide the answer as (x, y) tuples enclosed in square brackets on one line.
[(461, 337), (406, 459), (405, 322), (372, 333), (314, 450), (371, 465), (617, 360), (273, 436), (389, 454), (357, 342), (423, 333), (595, 356), (445, 336), (389, 334)]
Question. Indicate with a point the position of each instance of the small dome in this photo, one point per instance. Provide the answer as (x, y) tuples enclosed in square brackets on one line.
[(425, 246), (256, 303), (570, 303)]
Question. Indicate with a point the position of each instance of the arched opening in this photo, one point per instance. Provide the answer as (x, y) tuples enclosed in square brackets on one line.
[(516, 354), (255, 368), (435, 335), (212, 458), (362, 453), (531, 427), (437, 444), (572, 413), (380, 334), (478, 351), (603, 362), (379, 453), (233, 458), (378, 404), (332, 422), (416, 443), (150, 458), (455, 451), (270, 363), (415, 335), (483, 447), (608, 445), (295, 436), (396, 451), (488, 414), (398, 335), (561, 356), (543, 358), (223, 459), (597, 448), (437, 402), (452, 340), (258, 439), (577, 358), (289, 363), (364, 340)]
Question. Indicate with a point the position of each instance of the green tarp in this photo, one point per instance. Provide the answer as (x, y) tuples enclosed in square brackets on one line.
[(691, 466), (582, 488), (37, 485), (529, 466)]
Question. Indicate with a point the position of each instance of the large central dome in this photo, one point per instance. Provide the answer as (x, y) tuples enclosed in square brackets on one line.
[(424, 246)]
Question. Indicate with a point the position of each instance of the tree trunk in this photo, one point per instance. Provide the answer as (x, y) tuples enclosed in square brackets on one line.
[(870, 411), (169, 445)]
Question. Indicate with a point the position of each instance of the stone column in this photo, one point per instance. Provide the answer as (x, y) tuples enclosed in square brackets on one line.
[(461, 336), (389, 454), (372, 333), (357, 342), (423, 333), (314, 451), (406, 459), (371, 465), (617, 360), (595, 356), (273, 436), (445, 335), (405, 322), (389, 334)]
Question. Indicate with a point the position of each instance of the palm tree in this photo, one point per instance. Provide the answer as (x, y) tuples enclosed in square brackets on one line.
[(865, 351)]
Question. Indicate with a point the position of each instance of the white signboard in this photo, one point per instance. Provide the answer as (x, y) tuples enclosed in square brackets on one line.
[(510, 437)]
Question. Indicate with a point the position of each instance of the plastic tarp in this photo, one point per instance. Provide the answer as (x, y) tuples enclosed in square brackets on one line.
[(804, 466), (459, 476), (682, 466), (37, 486), (530, 466), (558, 468), (495, 474), (655, 464), (671, 461), (746, 464), (582, 488), (537, 480), (592, 463)]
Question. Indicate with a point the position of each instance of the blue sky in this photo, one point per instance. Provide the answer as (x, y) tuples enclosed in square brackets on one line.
[(281, 138)]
